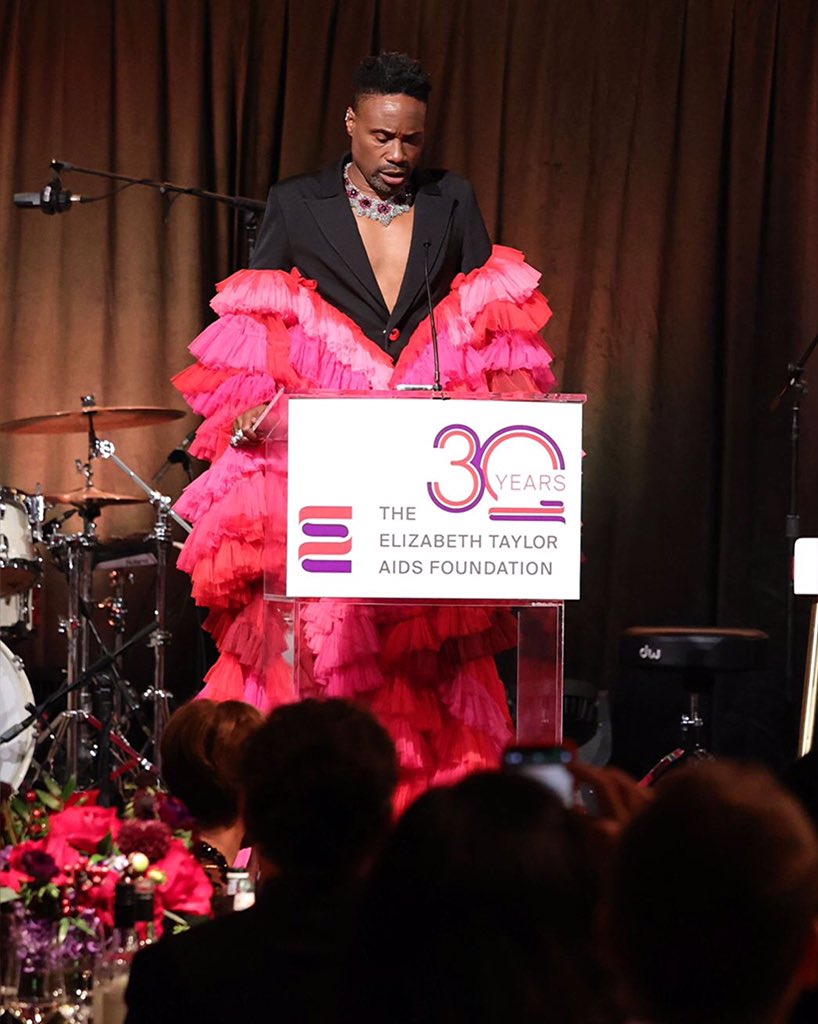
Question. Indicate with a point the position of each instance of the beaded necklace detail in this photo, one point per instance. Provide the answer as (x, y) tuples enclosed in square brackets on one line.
[(382, 210)]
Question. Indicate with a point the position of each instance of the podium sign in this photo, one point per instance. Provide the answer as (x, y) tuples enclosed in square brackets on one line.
[(416, 497)]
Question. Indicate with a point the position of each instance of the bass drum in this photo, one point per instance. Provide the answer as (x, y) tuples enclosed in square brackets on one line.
[(15, 695)]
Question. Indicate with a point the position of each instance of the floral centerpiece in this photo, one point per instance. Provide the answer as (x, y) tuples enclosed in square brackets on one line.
[(61, 856)]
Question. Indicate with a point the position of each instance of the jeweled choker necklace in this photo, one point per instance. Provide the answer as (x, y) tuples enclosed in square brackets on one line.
[(383, 210)]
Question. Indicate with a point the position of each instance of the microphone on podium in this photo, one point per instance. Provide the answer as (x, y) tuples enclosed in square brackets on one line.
[(437, 387)]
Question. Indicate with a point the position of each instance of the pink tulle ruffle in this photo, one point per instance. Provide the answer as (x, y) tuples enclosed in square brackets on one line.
[(427, 672)]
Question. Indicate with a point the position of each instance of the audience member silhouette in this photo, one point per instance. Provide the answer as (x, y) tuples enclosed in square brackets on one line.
[(318, 779), (479, 910), (714, 902)]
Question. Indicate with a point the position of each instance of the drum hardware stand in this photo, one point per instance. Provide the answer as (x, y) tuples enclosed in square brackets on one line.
[(61, 727), (78, 548), (122, 692), (78, 551), (161, 535), (77, 627), (117, 609)]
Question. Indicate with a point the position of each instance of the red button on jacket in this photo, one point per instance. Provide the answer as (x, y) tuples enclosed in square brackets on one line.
[(394, 334)]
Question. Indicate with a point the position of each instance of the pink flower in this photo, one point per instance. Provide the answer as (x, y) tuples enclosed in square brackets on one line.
[(187, 889), (101, 898), (11, 878), (78, 831)]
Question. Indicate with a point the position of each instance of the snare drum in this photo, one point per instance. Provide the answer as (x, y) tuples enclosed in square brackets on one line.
[(19, 565), (15, 695)]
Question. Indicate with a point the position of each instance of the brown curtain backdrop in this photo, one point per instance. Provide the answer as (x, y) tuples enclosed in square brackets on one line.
[(656, 159)]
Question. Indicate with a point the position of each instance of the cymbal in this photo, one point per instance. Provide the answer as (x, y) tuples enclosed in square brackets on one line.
[(105, 417), (88, 497)]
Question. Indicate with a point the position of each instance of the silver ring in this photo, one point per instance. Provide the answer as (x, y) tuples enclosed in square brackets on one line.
[(237, 437)]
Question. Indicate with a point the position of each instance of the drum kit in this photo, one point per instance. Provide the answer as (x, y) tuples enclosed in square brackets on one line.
[(88, 738)]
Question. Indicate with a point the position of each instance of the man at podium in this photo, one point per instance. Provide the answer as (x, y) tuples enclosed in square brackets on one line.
[(337, 299)]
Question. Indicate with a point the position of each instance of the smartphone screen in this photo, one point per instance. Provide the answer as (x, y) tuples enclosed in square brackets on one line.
[(545, 764)]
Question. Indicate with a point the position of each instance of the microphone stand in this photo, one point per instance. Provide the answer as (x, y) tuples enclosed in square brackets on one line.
[(796, 386), (250, 208), (179, 456), (37, 712), (237, 202), (437, 387)]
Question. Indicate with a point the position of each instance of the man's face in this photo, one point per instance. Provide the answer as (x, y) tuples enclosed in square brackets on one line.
[(386, 135)]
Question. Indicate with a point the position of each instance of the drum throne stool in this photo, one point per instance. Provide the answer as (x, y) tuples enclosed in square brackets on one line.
[(699, 654)]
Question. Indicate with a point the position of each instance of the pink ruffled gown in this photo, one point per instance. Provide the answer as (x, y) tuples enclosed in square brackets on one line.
[(427, 672)]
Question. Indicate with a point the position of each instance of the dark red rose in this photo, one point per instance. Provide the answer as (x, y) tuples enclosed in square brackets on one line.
[(149, 837), (39, 865)]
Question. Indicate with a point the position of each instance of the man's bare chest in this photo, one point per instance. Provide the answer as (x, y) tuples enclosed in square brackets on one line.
[(387, 248)]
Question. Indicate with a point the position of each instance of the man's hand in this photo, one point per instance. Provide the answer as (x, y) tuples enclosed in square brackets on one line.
[(619, 797), (243, 433)]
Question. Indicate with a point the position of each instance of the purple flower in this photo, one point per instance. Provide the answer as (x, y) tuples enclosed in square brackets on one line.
[(79, 944), (40, 865), (366, 202), (5, 857), (34, 943), (174, 813)]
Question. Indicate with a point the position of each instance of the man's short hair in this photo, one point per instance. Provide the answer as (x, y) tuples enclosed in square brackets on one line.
[(318, 783), (715, 890), (391, 74)]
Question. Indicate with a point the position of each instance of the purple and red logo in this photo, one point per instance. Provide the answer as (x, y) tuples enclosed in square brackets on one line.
[(325, 523), (514, 466)]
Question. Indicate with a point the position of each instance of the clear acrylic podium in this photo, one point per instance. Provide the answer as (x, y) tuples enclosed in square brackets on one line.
[(330, 535)]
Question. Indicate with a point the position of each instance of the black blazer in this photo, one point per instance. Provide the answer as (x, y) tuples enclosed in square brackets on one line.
[(278, 961), (308, 224)]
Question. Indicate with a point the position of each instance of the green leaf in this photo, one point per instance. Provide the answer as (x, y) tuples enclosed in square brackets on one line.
[(50, 801), (95, 858), (9, 831), (179, 923), (83, 926), (62, 931), (69, 788), (106, 845), (51, 785), (19, 807), (7, 895)]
